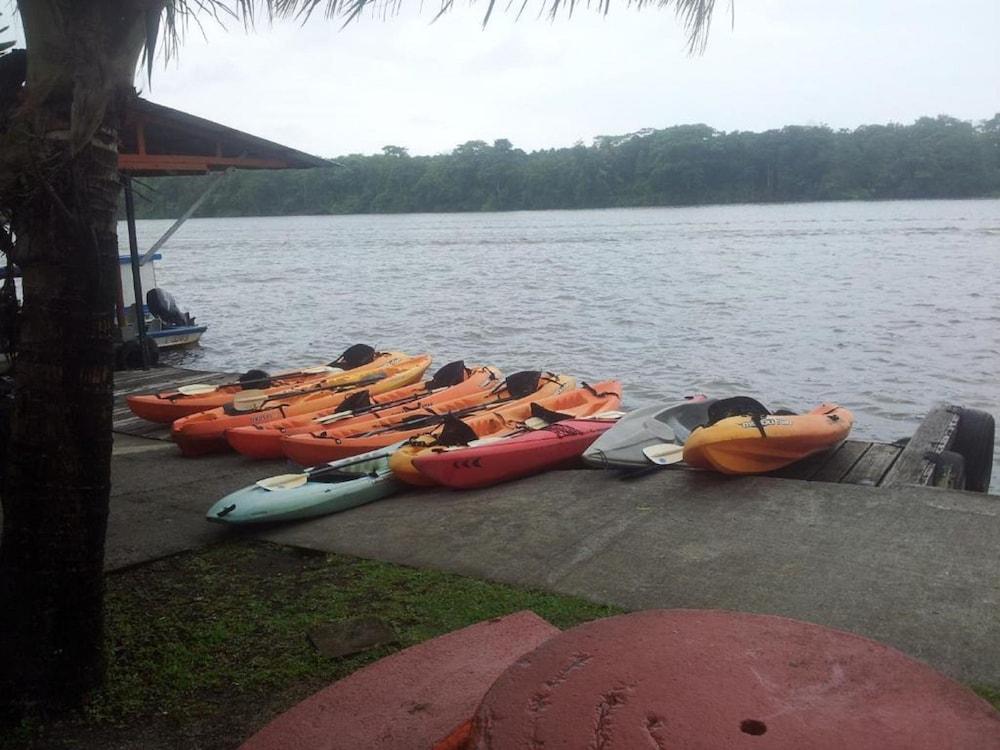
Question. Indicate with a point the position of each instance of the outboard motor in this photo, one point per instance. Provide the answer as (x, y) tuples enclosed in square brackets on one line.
[(163, 305)]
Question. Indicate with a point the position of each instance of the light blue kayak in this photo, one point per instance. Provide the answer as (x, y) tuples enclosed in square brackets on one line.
[(317, 491)]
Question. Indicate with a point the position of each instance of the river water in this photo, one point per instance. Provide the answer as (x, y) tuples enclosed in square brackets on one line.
[(886, 308)]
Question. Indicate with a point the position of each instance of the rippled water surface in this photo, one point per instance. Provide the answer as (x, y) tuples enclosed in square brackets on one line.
[(887, 308)]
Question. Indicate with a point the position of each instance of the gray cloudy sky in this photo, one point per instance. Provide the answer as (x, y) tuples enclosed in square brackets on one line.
[(429, 87)]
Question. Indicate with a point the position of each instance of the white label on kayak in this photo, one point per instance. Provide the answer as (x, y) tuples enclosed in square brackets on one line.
[(766, 422)]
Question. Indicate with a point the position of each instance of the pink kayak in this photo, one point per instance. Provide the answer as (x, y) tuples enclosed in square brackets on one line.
[(511, 457)]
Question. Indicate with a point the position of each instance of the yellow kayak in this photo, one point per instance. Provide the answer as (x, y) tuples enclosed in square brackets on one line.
[(758, 441)]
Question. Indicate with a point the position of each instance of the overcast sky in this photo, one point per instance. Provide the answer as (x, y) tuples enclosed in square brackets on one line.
[(430, 86)]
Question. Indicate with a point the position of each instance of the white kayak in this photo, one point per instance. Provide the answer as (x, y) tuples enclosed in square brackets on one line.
[(640, 436), (317, 491)]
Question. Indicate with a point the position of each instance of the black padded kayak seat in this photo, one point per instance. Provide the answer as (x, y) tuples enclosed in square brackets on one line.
[(737, 406), (355, 356), (521, 384), (548, 415), (452, 373), (253, 379), (455, 432), (355, 402)]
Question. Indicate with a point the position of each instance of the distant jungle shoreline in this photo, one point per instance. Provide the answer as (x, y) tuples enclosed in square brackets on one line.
[(684, 165)]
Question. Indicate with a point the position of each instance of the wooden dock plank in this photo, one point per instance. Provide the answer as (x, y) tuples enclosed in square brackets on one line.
[(146, 381), (135, 378), (166, 381), (807, 467), (873, 465), (841, 462), (934, 435)]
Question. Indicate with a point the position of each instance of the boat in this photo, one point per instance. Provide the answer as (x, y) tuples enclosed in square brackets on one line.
[(166, 324), (191, 398), (509, 420), (743, 437), (318, 491), (487, 462), (453, 380), (205, 432), (341, 442), (641, 433)]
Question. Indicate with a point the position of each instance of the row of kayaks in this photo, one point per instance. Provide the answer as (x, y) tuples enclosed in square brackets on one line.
[(367, 425)]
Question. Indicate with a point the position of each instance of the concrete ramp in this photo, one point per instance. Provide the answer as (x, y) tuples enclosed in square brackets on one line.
[(916, 568)]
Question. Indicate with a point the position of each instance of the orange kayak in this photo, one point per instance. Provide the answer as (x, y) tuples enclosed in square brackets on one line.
[(264, 440), (761, 442), (336, 443), (167, 406), (205, 432), (587, 401)]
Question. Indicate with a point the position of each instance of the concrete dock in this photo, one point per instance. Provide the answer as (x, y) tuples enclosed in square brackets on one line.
[(914, 567)]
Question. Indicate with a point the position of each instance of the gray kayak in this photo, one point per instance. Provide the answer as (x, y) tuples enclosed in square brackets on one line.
[(622, 446), (317, 491)]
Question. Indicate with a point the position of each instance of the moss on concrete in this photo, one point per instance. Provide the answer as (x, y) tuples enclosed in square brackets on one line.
[(991, 694)]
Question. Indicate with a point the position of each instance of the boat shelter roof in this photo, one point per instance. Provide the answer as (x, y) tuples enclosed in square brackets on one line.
[(159, 140)]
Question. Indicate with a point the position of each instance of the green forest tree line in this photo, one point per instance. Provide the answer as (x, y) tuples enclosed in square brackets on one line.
[(940, 157)]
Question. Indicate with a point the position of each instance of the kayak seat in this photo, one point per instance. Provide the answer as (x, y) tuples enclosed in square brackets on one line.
[(355, 356), (737, 406), (253, 379), (455, 432), (520, 384), (550, 416), (359, 400), (452, 373)]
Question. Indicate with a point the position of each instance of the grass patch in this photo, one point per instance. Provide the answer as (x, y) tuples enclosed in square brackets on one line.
[(205, 647), (988, 693)]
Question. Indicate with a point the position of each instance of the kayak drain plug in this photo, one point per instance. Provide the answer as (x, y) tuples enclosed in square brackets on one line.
[(752, 726)]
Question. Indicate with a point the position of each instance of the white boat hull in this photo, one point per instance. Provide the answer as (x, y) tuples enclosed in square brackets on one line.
[(176, 337)]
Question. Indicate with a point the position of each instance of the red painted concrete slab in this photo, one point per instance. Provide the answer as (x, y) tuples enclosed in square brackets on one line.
[(711, 680), (410, 699)]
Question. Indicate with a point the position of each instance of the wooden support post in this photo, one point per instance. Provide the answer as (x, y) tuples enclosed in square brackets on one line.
[(133, 249)]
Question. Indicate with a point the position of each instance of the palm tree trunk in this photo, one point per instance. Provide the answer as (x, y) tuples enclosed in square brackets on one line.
[(81, 59), (55, 498)]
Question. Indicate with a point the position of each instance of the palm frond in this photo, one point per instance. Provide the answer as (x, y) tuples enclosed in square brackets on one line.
[(695, 15), (5, 45)]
